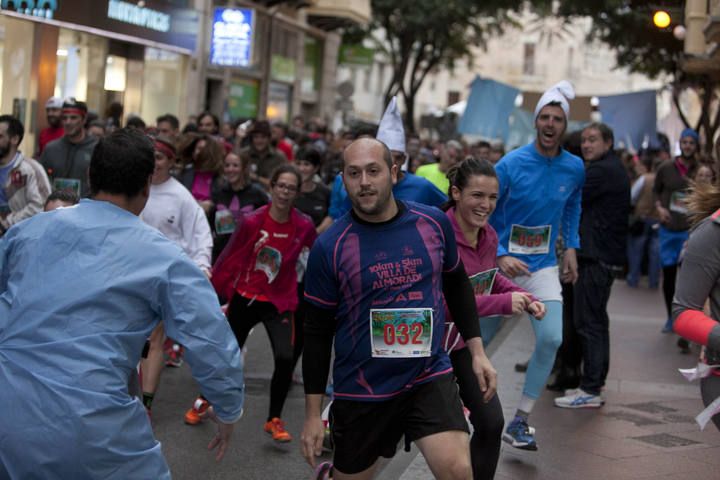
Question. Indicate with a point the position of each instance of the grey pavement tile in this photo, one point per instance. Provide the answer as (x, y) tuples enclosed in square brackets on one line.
[(705, 455), (652, 466)]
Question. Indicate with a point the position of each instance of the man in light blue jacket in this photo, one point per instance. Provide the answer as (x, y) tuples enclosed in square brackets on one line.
[(540, 194), (81, 288)]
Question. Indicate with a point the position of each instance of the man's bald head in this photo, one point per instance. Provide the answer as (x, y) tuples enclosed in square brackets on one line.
[(368, 147)]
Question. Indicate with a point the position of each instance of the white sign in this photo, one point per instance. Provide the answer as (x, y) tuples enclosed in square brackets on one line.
[(136, 15)]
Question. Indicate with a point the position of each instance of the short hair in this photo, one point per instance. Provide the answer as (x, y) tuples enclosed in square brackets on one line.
[(387, 155), (97, 123), (310, 155), (15, 127), (135, 121), (65, 196), (605, 131), (285, 168), (122, 163), (169, 118), (482, 144)]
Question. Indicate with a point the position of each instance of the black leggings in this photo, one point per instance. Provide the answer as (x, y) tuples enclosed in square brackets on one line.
[(710, 390), (669, 274), (487, 418), (243, 315)]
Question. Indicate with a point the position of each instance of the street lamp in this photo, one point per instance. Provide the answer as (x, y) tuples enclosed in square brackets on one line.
[(661, 19)]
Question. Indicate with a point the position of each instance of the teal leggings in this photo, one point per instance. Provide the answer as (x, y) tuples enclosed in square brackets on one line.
[(548, 337)]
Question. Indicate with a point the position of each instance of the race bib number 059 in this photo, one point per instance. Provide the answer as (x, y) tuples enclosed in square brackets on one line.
[(401, 332), (529, 240)]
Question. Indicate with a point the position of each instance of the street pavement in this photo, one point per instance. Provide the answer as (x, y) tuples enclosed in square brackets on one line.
[(646, 429)]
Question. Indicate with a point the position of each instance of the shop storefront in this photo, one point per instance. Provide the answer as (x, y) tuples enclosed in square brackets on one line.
[(101, 52), (264, 63)]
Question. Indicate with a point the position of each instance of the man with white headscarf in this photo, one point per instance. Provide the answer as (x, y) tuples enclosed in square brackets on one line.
[(540, 195)]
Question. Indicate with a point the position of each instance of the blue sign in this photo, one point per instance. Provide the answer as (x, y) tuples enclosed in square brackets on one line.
[(232, 37)]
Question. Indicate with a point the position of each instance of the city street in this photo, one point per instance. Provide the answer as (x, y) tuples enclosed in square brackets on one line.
[(646, 429)]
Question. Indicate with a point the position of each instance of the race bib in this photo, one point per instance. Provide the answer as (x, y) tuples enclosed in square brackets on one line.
[(677, 202), (224, 222), (483, 282), (401, 332), (529, 240), (269, 260), (67, 184)]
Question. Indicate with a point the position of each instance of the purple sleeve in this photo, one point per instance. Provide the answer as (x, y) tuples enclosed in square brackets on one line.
[(499, 302)]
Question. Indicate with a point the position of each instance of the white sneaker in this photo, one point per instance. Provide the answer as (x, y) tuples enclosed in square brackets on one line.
[(579, 399)]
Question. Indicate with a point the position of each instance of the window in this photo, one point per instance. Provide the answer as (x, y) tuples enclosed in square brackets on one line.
[(380, 77), (529, 59)]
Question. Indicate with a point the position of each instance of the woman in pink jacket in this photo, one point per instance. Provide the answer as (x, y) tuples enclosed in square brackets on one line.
[(257, 273), (473, 194)]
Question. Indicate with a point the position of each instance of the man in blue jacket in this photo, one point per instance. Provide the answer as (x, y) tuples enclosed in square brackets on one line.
[(81, 288), (540, 194)]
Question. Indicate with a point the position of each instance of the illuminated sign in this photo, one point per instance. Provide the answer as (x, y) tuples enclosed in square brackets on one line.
[(41, 8), (232, 37), (137, 15)]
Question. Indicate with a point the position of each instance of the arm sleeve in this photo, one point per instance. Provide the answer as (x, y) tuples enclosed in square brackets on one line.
[(636, 190), (320, 326), (595, 181), (461, 302), (571, 215), (696, 279), (338, 198), (499, 302), (33, 198), (191, 313), (499, 223), (199, 237)]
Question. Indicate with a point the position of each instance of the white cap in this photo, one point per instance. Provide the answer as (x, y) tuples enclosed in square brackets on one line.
[(391, 131), (54, 102), (560, 93)]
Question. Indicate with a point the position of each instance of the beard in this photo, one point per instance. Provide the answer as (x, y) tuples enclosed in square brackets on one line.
[(383, 198), (4, 151), (54, 122)]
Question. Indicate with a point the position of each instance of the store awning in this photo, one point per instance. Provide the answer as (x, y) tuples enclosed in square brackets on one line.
[(334, 14)]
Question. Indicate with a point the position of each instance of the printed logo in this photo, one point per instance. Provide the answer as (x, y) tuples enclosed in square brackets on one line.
[(407, 250), (401, 298), (280, 235), (415, 295), (380, 256), (171, 219)]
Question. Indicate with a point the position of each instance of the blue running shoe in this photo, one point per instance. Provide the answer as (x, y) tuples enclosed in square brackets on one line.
[(520, 435), (579, 399)]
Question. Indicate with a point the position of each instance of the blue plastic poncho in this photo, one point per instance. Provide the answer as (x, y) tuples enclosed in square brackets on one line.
[(81, 289)]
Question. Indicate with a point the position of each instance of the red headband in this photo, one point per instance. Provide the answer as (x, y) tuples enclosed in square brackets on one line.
[(73, 111), (165, 150)]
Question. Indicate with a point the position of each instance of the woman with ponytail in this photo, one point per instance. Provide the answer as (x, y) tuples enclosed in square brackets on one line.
[(472, 196), (698, 281)]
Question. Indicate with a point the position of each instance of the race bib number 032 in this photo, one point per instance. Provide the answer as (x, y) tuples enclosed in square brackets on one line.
[(529, 240), (401, 332)]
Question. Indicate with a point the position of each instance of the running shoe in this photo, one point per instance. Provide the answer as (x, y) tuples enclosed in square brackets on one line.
[(193, 416), (276, 428), (684, 345), (579, 399), (668, 328), (174, 356), (520, 435)]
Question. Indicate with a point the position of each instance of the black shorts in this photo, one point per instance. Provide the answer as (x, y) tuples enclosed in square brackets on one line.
[(364, 431)]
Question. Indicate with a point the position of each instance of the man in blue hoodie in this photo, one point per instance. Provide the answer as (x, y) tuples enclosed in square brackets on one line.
[(540, 195)]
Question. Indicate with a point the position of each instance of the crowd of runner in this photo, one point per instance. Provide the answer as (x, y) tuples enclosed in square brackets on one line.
[(390, 258)]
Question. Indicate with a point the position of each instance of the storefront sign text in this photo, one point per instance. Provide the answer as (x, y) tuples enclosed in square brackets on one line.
[(137, 15), (232, 37)]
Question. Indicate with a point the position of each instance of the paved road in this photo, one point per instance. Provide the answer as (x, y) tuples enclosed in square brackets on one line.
[(648, 404), (253, 454)]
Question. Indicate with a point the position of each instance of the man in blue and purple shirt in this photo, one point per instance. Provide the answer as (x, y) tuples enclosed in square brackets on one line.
[(377, 281)]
